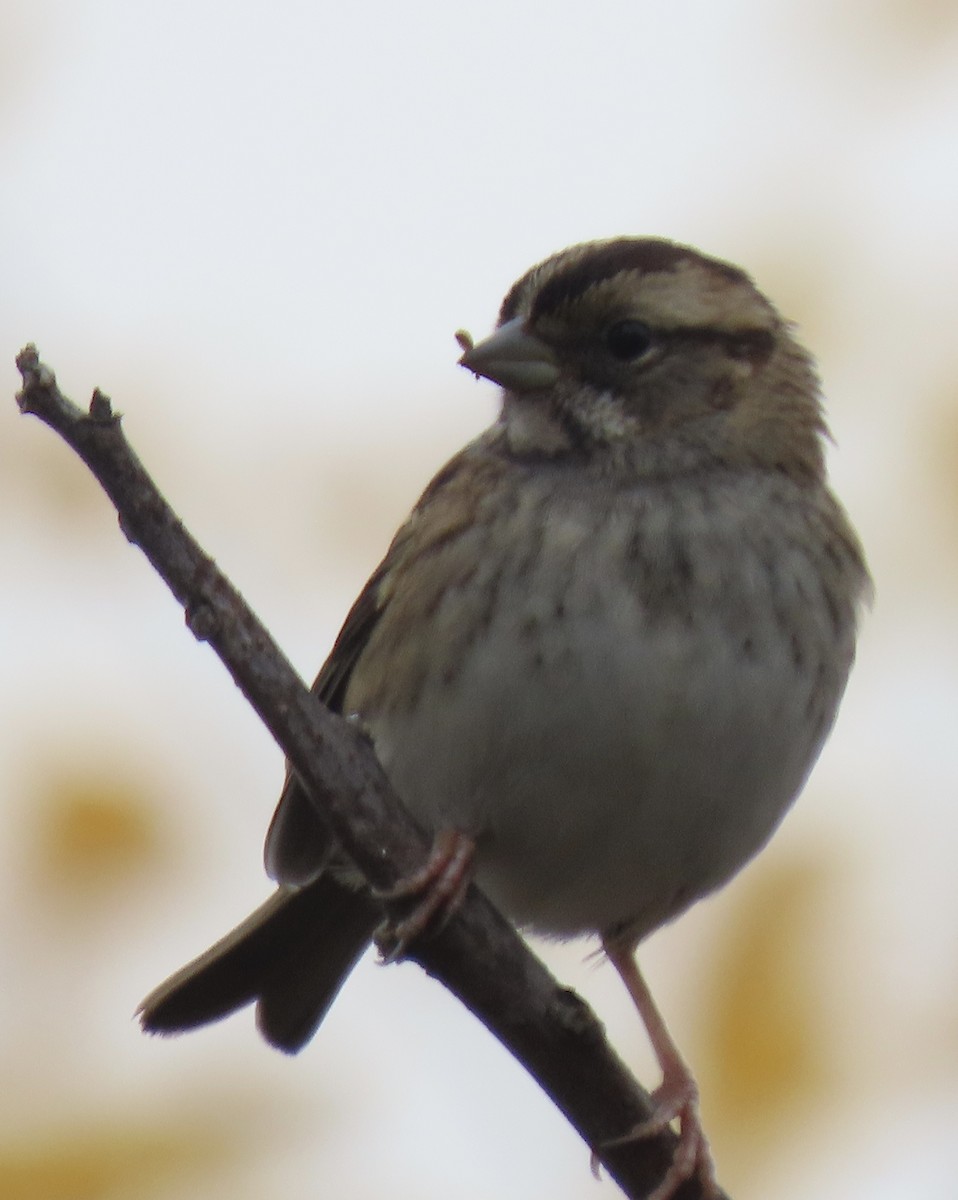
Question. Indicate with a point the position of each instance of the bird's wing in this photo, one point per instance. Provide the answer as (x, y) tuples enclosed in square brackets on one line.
[(298, 843)]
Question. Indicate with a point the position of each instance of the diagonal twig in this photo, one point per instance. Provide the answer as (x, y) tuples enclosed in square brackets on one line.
[(478, 956)]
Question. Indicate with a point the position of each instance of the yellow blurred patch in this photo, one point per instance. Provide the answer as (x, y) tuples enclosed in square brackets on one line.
[(92, 830), (765, 1035), (941, 461), (102, 1164), (50, 483)]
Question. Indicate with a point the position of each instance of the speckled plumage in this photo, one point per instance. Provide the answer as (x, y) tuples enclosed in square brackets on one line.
[(612, 636)]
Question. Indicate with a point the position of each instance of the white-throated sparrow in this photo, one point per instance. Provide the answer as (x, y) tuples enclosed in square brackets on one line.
[(601, 656)]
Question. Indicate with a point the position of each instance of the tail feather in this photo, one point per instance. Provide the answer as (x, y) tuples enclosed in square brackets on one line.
[(291, 956)]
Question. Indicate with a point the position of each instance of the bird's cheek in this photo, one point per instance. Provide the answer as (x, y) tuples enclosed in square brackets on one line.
[(723, 394)]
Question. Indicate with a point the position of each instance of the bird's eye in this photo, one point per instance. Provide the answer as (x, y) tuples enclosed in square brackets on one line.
[(628, 340)]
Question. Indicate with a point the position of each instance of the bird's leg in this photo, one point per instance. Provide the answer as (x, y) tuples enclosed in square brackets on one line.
[(676, 1098), (437, 888)]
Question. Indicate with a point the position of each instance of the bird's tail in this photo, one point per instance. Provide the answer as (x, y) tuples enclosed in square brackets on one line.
[(291, 956)]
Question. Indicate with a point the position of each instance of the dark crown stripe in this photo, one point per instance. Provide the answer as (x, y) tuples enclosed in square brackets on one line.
[(604, 261)]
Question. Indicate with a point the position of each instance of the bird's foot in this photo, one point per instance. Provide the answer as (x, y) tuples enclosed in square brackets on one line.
[(436, 890), (677, 1099)]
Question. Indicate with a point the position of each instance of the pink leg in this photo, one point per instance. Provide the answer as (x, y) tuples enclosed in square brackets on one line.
[(678, 1095), (438, 888)]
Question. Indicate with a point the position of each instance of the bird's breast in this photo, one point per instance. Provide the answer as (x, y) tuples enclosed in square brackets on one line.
[(619, 700)]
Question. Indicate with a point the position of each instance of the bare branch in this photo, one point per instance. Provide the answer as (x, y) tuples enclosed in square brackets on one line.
[(477, 956)]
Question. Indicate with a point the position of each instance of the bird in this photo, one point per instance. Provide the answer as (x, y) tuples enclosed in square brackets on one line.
[(599, 659)]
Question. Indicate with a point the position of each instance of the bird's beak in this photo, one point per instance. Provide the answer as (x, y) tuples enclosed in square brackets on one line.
[(510, 357)]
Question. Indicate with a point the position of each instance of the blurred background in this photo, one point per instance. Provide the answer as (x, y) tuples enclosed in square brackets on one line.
[(256, 227)]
